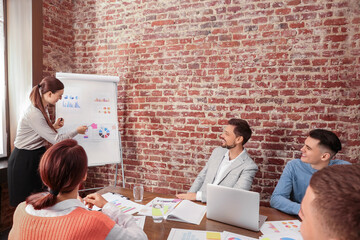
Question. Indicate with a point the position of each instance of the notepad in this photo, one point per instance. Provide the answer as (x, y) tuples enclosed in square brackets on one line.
[(188, 211)]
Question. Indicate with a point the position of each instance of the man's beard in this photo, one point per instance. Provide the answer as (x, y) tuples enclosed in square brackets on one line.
[(228, 146)]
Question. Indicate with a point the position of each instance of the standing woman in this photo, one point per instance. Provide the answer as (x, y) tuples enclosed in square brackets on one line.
[(34, 130)]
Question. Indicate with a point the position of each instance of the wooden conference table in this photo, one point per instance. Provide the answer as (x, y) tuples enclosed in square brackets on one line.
[(160, 231)]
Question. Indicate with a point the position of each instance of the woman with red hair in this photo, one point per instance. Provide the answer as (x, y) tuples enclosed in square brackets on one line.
[(58, 213), (34, 132)]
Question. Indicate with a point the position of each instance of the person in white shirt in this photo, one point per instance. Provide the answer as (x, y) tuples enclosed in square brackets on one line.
[(229, 165), (59, 213), (34, 132)]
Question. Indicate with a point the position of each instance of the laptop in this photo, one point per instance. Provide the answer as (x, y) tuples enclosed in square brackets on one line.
[(234, 206)]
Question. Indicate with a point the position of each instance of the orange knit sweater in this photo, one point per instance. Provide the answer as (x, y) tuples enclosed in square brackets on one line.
[(79, 224)]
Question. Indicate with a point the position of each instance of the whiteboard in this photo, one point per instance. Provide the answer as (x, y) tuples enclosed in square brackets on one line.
[(91, 100)]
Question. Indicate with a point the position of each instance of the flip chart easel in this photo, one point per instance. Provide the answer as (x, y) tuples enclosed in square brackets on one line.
[(91, 100)]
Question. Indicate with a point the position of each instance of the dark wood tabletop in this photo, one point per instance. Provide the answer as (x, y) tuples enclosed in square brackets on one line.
[(160, 231)]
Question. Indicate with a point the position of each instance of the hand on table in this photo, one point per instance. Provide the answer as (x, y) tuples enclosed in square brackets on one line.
[(187, 196), (95, 199)]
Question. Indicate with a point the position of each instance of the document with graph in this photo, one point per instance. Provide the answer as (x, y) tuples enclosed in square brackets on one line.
[(122, 202)]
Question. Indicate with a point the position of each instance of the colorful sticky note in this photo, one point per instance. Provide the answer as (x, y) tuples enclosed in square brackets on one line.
[(213, 235)]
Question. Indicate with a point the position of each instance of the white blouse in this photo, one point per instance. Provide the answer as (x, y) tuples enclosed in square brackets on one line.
[(33, 131)]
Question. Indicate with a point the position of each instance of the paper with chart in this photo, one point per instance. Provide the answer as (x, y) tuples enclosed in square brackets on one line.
[(282, 230), (92, 103), (169, 205), (233, 236), (270, 227), (284, 236), (125, 205), (186, 234)]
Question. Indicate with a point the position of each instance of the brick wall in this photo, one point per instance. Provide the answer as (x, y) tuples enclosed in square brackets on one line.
[(187, 66), (58, 36)]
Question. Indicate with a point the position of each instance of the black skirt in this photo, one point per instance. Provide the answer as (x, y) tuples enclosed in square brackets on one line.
[(23, 174)]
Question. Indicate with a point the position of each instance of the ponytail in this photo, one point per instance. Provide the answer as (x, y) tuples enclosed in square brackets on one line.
[(47, 84), (36, 100), (41, 200)]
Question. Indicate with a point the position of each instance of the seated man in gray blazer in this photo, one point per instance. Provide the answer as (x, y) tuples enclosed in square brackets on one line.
[(229, 165)]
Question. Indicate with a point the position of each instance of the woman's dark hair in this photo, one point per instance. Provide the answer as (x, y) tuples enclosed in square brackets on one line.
[(62, 168), (47, 84)]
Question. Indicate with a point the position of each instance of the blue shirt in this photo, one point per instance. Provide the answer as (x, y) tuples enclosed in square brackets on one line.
[(292, 185)]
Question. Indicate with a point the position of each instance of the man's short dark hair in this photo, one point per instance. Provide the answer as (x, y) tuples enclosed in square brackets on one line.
[(242, 128), (327, 139), (337, 200)]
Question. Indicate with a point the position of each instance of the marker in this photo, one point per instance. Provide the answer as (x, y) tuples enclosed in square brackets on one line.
[(61, 119)]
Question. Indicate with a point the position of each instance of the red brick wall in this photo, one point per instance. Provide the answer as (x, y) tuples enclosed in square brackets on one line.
[(187, 66), (58, 36)]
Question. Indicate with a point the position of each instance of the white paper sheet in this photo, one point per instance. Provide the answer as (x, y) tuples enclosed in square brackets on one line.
[(271, 227), (281, 230), (233, 236), (125, 205), (186, 234)]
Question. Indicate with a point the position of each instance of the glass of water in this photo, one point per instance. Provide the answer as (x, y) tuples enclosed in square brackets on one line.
[(138, 192), (158, 211)]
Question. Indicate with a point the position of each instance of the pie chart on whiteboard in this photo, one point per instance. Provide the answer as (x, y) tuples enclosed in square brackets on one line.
[(104, 132)]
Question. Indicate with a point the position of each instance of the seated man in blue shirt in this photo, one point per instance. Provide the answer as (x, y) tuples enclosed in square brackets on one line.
[(320, 147)]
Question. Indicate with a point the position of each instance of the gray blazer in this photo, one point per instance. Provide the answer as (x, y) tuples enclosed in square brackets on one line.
[(240, 173)]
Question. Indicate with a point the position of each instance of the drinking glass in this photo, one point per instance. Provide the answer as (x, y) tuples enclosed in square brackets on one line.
[(157, 211), (138, 192)]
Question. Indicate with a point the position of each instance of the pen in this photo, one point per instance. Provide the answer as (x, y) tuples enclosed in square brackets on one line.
[(177, 204)]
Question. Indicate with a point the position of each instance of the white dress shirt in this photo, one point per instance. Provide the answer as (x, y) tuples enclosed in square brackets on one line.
[(125, 227), (225, 163)]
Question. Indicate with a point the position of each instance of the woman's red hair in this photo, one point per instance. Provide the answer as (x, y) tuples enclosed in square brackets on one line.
[(62, 168)]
